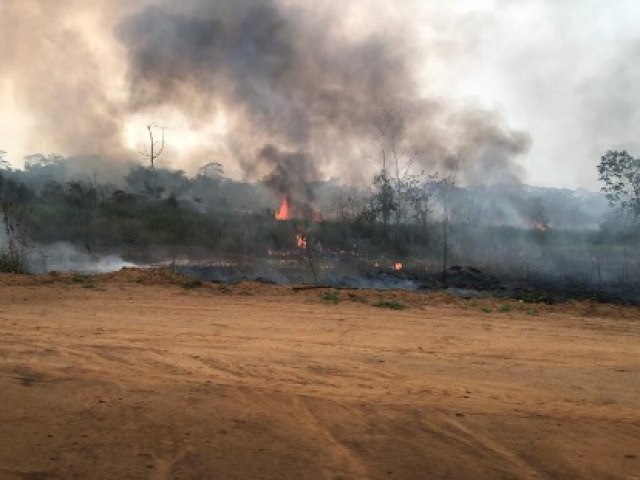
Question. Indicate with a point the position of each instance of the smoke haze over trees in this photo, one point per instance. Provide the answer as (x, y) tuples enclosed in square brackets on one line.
[(510, 229)]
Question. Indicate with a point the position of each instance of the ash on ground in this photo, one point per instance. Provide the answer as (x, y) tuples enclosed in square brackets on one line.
[(461, 281)]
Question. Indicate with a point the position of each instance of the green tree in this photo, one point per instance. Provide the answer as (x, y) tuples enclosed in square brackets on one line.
[(213, 170), (620, 173), (384, 199)]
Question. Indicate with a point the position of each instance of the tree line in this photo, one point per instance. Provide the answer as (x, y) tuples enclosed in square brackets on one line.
[(146, 212)]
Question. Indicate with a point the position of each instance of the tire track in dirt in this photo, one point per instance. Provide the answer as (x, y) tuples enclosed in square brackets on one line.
[(351, 390), (479, 441), (348, 461)]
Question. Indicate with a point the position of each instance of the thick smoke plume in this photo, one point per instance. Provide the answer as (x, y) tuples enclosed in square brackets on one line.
[(56, 75), (298, 77), (300, 82), (291, 176)]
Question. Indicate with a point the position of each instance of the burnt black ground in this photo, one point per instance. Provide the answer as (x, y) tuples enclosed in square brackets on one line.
[(464, 281)]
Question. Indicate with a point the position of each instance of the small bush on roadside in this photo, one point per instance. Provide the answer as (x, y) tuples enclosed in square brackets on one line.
[(189, 284), (80, 278), (11, 262), (332, 297), (390, 304), (535, 297)]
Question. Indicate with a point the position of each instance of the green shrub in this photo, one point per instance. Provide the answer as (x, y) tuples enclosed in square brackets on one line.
[(535, 297), (332, 297), (80, 278), (10, 262), (390, 304), (189, 284)]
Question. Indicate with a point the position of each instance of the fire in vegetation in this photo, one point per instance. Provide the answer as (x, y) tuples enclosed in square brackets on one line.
[(301, 240), (398, 266), (284, 213)]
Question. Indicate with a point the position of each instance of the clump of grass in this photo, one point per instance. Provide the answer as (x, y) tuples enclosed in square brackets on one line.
[(189, 284), (390, 304), (532, 312), (332, 297), (487, 310), (504, 308), (535, 297), (80, 278), (354, 297)]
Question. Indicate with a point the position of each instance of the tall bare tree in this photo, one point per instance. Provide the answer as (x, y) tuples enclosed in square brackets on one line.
[(155, 149), (153, 152)]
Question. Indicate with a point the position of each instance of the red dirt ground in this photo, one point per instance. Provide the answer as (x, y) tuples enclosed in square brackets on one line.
[(137, 375)]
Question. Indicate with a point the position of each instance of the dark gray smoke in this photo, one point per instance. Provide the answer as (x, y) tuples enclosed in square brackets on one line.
[(291, 176), (289, 77), (301, 83)]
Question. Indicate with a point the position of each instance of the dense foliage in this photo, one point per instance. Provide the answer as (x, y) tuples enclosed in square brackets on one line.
[(620, 173)]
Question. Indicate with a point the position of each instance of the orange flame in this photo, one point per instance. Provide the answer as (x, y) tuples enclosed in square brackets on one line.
[(302, 240), (398, 266), (284, 212)]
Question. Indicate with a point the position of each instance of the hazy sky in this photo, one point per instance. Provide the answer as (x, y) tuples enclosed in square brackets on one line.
[(567, 72)]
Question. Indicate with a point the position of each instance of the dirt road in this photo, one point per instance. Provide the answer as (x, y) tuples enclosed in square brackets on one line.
[(111, 379)]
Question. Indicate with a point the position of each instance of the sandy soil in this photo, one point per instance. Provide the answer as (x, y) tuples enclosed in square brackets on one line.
[(126, 376)]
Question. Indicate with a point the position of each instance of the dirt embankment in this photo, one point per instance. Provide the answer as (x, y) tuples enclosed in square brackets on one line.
[(149, 375)]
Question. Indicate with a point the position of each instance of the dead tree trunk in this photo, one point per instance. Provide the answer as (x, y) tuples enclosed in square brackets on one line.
[(153, 155)]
